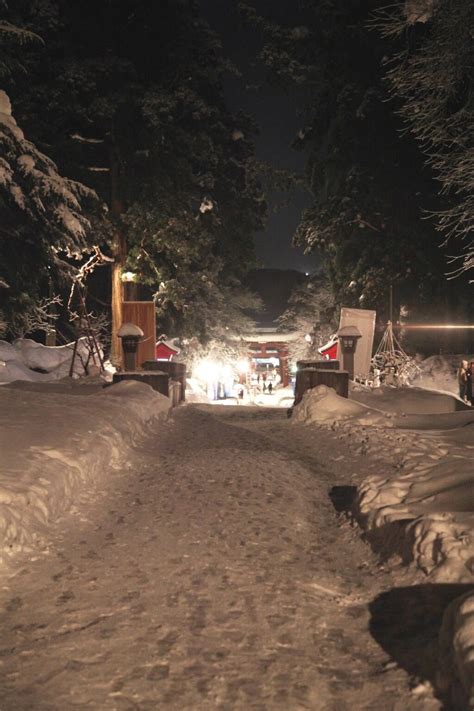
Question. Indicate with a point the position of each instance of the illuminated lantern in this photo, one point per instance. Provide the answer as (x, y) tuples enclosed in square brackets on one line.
[(348, 338)]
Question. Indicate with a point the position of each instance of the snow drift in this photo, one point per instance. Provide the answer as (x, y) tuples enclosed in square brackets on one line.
[(26, 359), (58, 441), (322, 405), (420, 505)]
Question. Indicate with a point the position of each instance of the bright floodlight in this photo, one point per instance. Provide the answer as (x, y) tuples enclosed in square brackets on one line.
[(243, 366), (427, 326), (225, 372), (207, 370)]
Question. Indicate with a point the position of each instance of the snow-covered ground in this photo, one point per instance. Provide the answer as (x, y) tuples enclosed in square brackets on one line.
[(59, 439), (25, 359), (420, 503)]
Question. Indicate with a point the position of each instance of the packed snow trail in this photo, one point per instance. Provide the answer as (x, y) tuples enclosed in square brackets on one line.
[(212, 572)]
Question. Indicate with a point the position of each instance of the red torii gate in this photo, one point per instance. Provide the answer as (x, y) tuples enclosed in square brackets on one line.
[(261, 348)]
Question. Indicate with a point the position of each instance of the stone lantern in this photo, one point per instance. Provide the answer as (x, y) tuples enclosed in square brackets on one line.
[(348, 337), (131, 335)]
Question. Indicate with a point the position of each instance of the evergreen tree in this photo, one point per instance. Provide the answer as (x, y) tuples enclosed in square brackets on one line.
[(44, 229), (133, 105), (311, 315), (370, 189), (432, 77)]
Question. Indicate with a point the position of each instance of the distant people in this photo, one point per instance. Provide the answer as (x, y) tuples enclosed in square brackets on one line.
[(241, 394), (270, 388), (462, 380)]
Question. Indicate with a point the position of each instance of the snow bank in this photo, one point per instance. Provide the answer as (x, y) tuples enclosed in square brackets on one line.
[(58, 441), (408, 400), (456, 652), (322, 405), (439, 373), (420, 503), (19, 360)]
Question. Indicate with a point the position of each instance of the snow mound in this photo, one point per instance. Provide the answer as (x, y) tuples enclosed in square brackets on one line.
[(408, 400), (14, 370), (436, 504), (58, 443), (322, 405), (26, 359), (456, 656), (438, 373)]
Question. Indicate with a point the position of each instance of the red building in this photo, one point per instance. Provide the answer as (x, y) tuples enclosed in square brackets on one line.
[(329, 350), (165, 350)]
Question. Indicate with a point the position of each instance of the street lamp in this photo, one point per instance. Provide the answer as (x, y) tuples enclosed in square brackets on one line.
[(129, 285), (348, 337)]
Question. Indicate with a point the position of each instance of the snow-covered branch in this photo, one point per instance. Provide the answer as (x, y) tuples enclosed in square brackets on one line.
[(31, 183), (432, 77)]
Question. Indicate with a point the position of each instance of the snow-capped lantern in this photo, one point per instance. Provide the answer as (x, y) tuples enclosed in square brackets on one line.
[(348, 337), (131, 335)]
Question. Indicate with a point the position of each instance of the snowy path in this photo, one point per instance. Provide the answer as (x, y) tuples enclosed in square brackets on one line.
[(213, 574)]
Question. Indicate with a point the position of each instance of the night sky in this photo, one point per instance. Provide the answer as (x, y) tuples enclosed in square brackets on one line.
[(277, 116)]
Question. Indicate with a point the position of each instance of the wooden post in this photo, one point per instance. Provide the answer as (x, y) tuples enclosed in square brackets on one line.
[(116, 351)]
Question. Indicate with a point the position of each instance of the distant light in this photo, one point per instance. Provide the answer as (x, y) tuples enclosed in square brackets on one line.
[(243, 366), (207, 370), (426, 326), (306, 273), (128, 276)]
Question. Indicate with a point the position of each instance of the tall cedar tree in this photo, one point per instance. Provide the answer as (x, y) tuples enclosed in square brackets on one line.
[(127, 96), (367, 179), (44, 231), (432, 77)]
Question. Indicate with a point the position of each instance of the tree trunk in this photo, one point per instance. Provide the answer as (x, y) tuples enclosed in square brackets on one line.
[(116, 355), (119, 249)]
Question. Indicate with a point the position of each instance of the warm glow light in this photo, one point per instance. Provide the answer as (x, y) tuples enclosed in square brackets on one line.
[(435, 325), (207, 370), (225, 372), (243, 366)]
